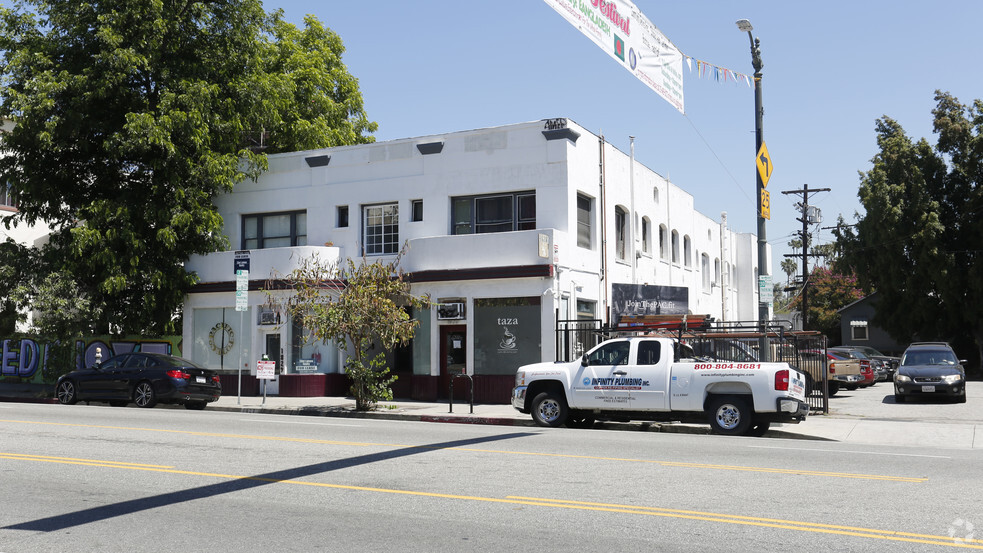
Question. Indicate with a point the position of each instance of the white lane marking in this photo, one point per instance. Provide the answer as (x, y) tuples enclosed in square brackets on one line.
[(851, 451)]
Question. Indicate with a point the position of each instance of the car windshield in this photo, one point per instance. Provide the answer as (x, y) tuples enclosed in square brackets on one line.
[(870, 352), (929, 357)]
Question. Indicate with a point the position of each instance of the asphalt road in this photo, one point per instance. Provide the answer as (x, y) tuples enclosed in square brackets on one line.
[(94, 478)]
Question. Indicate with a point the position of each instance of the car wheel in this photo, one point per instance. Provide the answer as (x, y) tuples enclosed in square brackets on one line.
[(549, 410), (118, 403), (961, 398), (758, 429), (729, 415), (195, 405), (898, 398), (144, 395), (67, 393)]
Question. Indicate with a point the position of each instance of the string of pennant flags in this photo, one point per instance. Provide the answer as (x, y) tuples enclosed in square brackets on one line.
[(706, 70)]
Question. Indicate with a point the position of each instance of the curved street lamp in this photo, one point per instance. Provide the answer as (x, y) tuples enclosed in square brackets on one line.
[(745, 26)]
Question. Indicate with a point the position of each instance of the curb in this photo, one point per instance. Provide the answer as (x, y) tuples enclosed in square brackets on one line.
[(640, 426)]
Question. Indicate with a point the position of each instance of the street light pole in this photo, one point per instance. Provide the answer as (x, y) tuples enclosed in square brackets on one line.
[(745, 25)]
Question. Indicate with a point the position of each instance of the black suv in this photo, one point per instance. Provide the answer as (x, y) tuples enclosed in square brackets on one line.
[(930, 369)]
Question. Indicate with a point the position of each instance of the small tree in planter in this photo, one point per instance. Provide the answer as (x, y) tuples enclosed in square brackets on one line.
[(357, 304)]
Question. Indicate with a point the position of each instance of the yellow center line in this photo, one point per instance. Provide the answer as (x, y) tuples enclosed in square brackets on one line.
[(677, 464), (801, 526)]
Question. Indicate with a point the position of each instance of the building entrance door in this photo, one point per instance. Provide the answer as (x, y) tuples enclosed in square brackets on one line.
[(275, 353), (453, 359)]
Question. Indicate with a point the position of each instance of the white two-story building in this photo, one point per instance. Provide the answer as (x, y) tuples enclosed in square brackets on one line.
[(509, 230)]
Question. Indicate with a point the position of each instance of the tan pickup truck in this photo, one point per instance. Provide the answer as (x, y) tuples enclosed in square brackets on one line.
[(841, 373)]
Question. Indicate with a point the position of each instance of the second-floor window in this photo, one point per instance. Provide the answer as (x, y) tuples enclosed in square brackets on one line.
[(493, 213), (620, 233), (7, 197), (380, 229), (274, 230), (584, 220)]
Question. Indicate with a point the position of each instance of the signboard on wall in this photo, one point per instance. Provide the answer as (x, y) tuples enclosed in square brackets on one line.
[(507, 334), (644, 299)]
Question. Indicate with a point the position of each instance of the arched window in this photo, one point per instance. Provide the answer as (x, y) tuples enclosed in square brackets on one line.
[(646, 235), (620, 232), (675, 247), (687, 251), (663, 242), (705, 268)]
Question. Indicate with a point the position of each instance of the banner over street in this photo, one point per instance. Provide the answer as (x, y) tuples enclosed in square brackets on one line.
[(621, 30)]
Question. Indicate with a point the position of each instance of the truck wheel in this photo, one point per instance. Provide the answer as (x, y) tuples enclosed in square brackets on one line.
[(833, 387), (729, 415), (549, 410)]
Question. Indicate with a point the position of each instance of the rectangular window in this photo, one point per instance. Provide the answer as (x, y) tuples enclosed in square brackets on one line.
[(493, 213), (586, 309), (7, 196), (342, 217), (380, 229), (416, 207), (584, 214), (274, 230), (858, 330)]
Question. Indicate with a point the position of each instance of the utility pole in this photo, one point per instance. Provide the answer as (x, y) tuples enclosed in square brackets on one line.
[(808, 216)]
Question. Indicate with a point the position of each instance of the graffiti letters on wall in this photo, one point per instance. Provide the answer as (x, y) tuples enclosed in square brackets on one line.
[(28, 358)]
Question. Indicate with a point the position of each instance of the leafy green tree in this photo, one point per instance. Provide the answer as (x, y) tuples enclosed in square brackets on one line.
[(828, 293), (15, 261), (360, 304), (919, 242), (133, 115)]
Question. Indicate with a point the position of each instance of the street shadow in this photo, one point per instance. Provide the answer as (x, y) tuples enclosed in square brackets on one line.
[(96, 514)]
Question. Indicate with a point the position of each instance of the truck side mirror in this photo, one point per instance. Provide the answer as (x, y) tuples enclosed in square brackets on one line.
[(584, 361)]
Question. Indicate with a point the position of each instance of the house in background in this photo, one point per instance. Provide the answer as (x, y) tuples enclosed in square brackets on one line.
[(509, 229), (34, 236), (857, 329)]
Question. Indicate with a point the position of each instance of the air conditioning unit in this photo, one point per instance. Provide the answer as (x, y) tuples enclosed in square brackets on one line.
[(267, 318), (450, 311)]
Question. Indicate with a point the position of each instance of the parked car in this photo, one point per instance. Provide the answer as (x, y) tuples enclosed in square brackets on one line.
[(888, 363), (930, 369), (852, 373), (868, 367), (146, 379)]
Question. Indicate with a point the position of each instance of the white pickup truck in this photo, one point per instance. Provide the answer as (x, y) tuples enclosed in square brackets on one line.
[(643, 378)]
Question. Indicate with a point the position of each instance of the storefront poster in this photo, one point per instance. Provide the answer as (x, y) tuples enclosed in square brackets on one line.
[(507, 334)]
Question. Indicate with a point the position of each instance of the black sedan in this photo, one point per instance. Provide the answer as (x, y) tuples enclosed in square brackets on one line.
[(930, 369), (146, 379)]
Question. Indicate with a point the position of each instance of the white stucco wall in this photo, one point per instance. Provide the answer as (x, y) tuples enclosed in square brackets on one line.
[(512, 158)]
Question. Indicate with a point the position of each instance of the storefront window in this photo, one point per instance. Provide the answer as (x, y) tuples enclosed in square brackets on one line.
[(222, 339), (507, 334), (421, 343), (310, 356)]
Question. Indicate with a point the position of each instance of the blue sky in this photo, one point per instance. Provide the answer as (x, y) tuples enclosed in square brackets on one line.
[(830, 70)]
